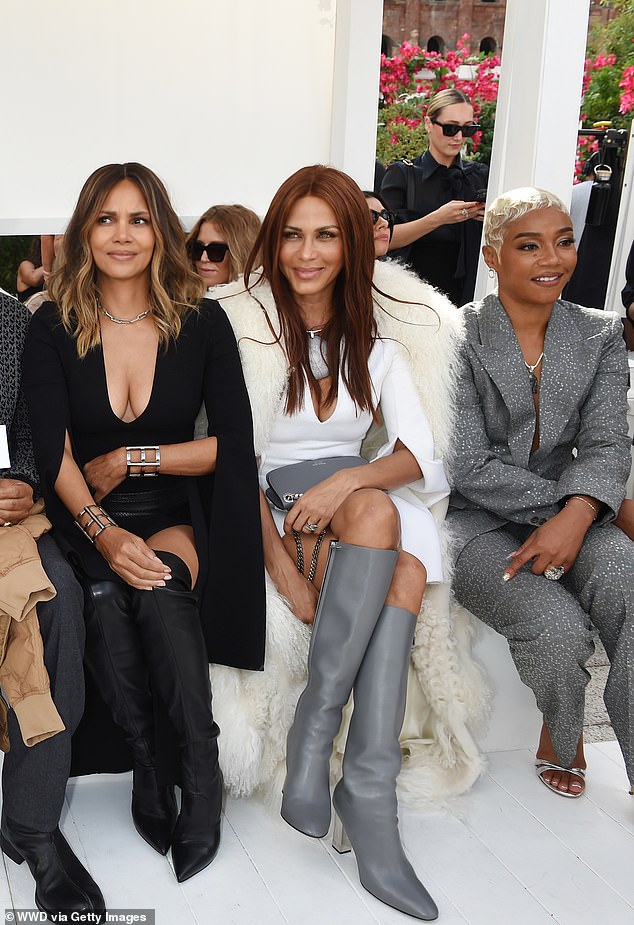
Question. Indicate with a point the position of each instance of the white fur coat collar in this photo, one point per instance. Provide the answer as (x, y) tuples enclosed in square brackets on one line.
[(422, 319)]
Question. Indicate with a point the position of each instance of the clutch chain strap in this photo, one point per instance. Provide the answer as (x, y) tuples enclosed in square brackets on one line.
[(313, 559)]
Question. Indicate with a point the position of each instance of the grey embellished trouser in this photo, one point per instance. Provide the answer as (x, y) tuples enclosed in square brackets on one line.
[(548, 626), (34, 779)]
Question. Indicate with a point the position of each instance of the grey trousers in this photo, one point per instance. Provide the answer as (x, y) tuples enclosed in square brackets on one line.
[(548, 625), (34, 779)]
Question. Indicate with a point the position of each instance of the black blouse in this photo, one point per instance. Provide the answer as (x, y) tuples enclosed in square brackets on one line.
[(447, 257), (65, 393)]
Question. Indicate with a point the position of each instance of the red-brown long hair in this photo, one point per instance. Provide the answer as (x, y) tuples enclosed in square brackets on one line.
[(352, 330)]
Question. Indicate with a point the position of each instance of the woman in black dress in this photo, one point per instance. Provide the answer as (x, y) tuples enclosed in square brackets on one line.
[(115, 371), (440, 197)]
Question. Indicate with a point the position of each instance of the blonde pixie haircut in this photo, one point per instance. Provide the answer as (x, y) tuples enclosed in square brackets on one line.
[(174, 288), (513, 205)]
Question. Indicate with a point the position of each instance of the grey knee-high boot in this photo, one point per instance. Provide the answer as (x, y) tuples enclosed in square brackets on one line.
[(353, 592), (365, 798)]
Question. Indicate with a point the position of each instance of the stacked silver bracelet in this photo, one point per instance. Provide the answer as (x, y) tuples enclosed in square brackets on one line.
[(142, 466), (93, 516)]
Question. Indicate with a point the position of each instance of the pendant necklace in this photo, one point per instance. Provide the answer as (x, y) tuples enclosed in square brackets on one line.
[(116, 320), (316, 354), (532, 378)]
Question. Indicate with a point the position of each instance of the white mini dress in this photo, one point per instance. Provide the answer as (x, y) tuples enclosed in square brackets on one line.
[(302, 436)]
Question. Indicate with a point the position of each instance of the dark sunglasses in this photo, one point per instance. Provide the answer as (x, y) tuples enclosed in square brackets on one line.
[(384, 214), (449, 129), (216, 251)]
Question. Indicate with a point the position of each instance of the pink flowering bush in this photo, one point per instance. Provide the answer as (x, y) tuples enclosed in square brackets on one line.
[(626, 84), (412, 76)]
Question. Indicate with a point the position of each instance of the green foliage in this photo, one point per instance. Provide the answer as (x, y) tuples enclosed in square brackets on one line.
[(603, 97), (396, 139), (13, 250), (615, 37), (486, 118)]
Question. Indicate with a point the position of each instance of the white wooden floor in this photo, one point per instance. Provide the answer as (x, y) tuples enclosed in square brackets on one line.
[(510, 852)]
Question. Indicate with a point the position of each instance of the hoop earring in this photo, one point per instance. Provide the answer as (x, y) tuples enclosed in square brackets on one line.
[(491, 273)]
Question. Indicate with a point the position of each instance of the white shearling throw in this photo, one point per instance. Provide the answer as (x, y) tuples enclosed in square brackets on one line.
[(447, 692)]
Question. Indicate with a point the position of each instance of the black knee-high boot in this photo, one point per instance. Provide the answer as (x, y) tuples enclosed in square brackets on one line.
[(169, 623), (114, 656)]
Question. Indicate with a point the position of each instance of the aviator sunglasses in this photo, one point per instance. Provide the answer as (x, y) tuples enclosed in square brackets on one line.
[(216, 251), (449, 129), (384, 214)]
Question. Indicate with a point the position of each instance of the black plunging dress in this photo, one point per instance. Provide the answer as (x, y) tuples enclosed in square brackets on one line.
[(202, 365)]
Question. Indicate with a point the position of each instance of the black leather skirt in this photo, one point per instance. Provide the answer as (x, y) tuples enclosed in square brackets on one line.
[(144, 509)]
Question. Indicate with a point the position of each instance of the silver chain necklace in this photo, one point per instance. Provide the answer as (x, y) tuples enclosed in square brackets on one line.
[(116, 320), (531, 373)]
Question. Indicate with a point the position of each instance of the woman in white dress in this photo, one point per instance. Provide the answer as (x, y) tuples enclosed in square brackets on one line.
[(370, 522)]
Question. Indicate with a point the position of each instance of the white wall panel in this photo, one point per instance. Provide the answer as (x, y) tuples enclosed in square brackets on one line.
[(222, 98)]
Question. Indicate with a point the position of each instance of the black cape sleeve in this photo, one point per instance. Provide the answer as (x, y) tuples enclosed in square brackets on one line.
[(233, 600)]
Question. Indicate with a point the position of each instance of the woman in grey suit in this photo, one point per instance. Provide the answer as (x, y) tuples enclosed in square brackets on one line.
[(541, 460)]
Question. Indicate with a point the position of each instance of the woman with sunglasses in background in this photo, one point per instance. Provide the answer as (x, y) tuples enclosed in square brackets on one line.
[(387, 235), (220, 242), (441, 198), (382, 222)]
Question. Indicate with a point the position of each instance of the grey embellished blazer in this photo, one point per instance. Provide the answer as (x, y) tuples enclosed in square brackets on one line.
[(584, 447), (14, 319)]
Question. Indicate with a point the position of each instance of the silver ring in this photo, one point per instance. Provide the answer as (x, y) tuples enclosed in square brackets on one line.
[(7, 523), (312, 528), (465, 213), (554, 572)]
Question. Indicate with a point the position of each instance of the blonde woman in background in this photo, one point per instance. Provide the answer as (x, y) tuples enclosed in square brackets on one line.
[(220, 242)]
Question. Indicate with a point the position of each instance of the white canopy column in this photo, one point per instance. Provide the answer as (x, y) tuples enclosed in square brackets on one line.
[(355, 87)]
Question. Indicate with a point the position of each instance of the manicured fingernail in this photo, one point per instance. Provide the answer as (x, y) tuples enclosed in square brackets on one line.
[(167, 577), (506, 576), (510, 556), (159, 584)]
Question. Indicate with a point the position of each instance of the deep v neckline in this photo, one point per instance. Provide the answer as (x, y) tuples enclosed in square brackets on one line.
[(107, 390), (335, 406)]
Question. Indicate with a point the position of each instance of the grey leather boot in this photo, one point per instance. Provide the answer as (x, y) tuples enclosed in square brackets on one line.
[(365, 798), (353, 592)]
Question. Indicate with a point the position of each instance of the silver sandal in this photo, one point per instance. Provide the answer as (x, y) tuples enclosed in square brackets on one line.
[(541, 766)]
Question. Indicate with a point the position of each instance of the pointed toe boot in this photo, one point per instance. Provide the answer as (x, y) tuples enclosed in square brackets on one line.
[(154, 810), (353, 592), (115, 658), (196, 838), (365, 798), (169, 621)]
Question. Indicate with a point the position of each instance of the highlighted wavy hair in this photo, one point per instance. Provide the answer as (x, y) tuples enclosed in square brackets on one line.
[(174, 288)]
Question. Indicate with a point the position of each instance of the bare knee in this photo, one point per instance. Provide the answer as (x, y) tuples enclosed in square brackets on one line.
[(408, 583), (368, 518)]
